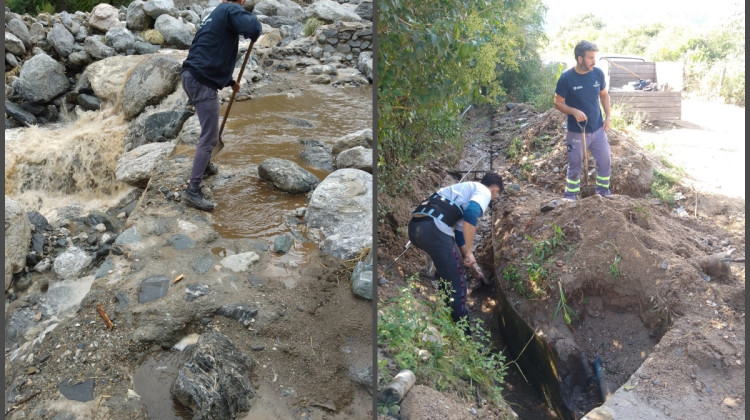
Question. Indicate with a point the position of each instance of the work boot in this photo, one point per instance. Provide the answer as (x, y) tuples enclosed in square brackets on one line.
[(194, 198), (211, 170)]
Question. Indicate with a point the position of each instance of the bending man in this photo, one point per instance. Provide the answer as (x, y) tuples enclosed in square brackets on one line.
[(444, 226)]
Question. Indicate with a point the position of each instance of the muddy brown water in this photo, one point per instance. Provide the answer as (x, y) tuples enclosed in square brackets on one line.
[(273, 126)]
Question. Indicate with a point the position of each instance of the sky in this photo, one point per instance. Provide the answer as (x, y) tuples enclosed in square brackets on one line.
[(636, 12)]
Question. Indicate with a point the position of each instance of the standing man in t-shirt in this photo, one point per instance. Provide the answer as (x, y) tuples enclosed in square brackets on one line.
[(208, 68), (444, 226), (578, 94)]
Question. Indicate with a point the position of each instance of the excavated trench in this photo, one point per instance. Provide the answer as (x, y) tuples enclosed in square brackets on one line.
[(563, 370)]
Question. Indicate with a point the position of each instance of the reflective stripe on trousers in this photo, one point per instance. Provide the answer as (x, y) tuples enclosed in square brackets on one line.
[(597, 144)]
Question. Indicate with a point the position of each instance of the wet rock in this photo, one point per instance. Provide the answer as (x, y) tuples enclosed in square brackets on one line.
[(122, 300), (282, 244), (240, 262), (77, 391), (72, 263), (17, 239), (150, 82), (41, 67), (317, 154), (138, 165), (17, 323), (255, 281), (339, 214), (287, 175), (202, 264), (19, 114), (215, 383), (239, 312), (153, 288), (104, 269), (164, 125), (181, 242), (359, 138), (357, 158), (194, 291), (89, 102)]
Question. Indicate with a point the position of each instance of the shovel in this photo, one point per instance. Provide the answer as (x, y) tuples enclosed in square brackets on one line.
[(220, 144), (585, 189)]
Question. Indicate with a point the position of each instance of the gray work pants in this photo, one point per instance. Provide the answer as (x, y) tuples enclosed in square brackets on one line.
[(597, 145), (206, 102)]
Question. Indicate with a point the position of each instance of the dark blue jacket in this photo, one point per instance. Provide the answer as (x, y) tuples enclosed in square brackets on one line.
[(213, 53)]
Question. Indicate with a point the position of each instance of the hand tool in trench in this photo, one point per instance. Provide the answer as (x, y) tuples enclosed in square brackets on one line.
[(220, 144)]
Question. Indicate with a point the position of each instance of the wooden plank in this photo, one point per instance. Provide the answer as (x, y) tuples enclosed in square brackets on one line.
[(623, 72), (651, 105)]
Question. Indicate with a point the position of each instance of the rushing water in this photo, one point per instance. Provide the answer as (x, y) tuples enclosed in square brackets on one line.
[(273, 126), (48, 167)]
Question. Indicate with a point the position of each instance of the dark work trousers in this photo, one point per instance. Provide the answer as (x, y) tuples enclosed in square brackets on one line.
[(447, 258), (206, 102)]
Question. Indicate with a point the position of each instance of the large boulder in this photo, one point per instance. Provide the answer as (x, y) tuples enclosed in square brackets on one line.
[(283, 8), (136, 18), (357, 157), (331, 11), (120, 38), (174, 31), (17, 239), (18, 28), (156, 8), (107, 77), (138, 165), (358, 138), (150, 82), (339, 214), (287, 175), (103, 17), (14, 45), (215, 383), (41, 67), (61, 40)]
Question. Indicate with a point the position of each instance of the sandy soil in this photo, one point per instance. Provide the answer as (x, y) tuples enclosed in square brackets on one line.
[(670, 343)]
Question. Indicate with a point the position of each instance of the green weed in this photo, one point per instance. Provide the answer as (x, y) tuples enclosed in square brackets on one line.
[(454, 359), (562, 304)]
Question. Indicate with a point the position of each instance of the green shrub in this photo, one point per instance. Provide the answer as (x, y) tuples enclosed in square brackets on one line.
[(455, 361)]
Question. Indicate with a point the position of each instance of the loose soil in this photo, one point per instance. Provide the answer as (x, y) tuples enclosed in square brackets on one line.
[(669, 338)]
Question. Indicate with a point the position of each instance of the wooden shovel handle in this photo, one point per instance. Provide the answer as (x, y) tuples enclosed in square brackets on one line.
[(231, 100)]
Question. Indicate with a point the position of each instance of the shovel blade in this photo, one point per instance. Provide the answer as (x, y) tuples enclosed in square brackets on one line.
[(218, 147)]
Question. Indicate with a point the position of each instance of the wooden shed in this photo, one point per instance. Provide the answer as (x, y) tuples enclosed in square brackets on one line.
[(652, 105)]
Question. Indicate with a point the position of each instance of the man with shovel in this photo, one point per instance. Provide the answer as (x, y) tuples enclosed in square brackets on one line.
[(444, 225), (208, 67), (578, 94)]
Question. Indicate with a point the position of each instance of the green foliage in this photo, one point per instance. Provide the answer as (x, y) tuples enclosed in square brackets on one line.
[(35, 7), (434, 58), (311, 25), (614, 269), (624, 119), (563, 304), (455, 360), (662, 185), (514, 149)]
